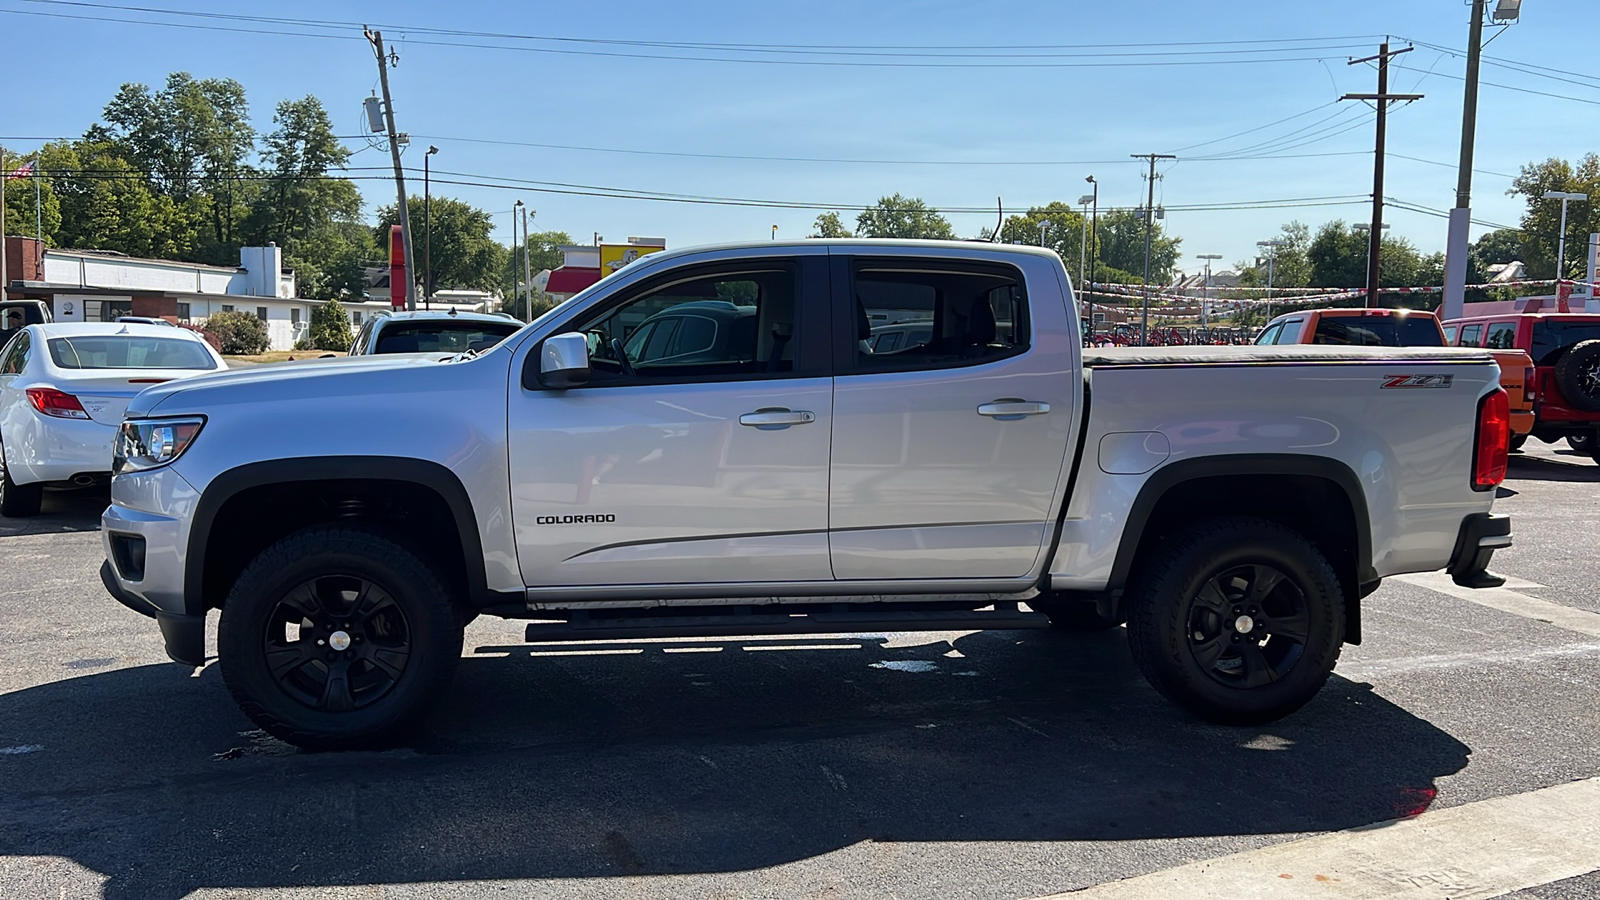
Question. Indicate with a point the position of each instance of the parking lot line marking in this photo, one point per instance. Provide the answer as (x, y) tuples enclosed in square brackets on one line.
[(1580, 620), (1380, 667), (1476, 850)]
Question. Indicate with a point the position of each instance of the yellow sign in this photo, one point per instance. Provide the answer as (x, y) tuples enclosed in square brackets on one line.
[(615, 256)]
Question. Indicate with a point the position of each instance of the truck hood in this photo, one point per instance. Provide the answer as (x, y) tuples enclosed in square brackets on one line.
[(310, 377)]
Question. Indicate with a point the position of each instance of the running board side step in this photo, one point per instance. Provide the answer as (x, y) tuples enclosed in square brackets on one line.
[(754, 624)]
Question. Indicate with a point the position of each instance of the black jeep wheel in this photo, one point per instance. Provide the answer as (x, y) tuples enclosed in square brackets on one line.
[(1578, 376), (17, 501), (338, 638), (1583, 443), (1237, 620)]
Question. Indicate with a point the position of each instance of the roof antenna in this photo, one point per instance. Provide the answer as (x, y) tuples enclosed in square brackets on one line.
[(999, 221)]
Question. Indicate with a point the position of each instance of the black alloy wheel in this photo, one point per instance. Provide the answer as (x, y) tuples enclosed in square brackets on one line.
[(1248, 626), (1238, 620), (337, 643), (339, 637)]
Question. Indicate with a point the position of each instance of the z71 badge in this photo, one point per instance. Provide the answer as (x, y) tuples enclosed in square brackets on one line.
[(1417, 381)]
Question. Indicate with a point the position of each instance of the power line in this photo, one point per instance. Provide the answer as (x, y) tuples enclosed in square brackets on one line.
[(1257, 128)]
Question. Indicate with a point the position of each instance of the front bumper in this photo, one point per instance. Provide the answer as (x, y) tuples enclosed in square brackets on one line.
[(153, 509), (1481, 534)]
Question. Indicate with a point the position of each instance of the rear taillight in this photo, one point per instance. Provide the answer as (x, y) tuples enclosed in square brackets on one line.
[(1529, 391), (59, 404), (1494, 436)]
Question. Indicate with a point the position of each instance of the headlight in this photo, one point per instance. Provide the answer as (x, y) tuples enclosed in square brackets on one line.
[(147, 443)]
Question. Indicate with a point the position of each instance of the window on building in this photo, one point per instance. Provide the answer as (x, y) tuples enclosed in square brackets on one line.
[(227, 307), (261, 313), (183, 312), (294, 316), (355, 317)]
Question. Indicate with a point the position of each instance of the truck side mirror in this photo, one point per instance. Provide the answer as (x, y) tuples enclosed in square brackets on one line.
[(564, 360)]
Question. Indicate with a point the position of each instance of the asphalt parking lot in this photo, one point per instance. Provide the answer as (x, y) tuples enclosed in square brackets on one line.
[(924, 765)]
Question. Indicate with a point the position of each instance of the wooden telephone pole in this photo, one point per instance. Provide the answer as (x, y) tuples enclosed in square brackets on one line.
[(402, 209), (1381, 99)]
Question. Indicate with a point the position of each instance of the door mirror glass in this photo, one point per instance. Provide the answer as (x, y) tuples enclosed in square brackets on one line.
[(564, 360)]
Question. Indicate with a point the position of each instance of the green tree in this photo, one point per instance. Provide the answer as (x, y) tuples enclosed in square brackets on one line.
[(312, 214), (330, 327), (1290, 268), (1122, 236), (240, 333), (463, 255), (903, 217), (829, 225), (1338, 257), (107, 204), (1541, 223), (1062, 229)]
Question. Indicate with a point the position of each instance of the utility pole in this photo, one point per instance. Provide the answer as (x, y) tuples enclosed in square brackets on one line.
[(515, 209), (1455, 259), (427, 232), (1094, 230), (1381, 99), (1149, 234), (384, 61), (5, 279), (527, 274)]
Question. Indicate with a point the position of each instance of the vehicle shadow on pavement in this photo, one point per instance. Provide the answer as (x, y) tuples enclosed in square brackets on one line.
[(1577, 467), (61, 512), (624, 759)]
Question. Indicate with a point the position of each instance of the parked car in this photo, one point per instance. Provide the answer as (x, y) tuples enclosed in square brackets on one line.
[(441, 331), (63, 389), (16, 314), (1233, 505), (1380, 327), (1565, 350), (900, 336)]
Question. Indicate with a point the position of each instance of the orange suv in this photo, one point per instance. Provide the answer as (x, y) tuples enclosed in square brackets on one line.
[(1565, 348), (1406, 328)]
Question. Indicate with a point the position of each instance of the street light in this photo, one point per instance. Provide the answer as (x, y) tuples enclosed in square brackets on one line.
[(1044, 225), (1205, 289), (427, 233), (1272, 259), (1561, 243), (774, 232)]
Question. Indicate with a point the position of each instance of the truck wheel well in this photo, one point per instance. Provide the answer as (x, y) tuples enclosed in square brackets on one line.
[(1311, 505), (257, 517)]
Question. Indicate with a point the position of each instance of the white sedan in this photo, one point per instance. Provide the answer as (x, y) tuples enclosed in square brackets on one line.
[(63, 390)]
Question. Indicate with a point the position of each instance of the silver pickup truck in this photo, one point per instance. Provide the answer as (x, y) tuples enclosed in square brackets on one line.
[(722, 441)]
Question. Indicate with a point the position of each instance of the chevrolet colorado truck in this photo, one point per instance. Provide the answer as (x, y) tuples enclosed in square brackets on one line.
[(711, 442)]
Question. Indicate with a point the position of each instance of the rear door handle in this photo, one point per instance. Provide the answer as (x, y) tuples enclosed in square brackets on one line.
[(777, 418), (1011, 410)]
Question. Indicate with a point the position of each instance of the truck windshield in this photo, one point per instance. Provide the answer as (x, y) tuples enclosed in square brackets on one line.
[(119, 352), (1551, 336), (1379, 331)]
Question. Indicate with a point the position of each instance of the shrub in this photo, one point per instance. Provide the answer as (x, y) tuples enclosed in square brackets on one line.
[(240, 333), (210, 336), (303, 344), (330, 327)]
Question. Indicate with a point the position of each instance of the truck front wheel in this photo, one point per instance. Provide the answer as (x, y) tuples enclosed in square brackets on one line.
[(338, 638), (1238, 620)]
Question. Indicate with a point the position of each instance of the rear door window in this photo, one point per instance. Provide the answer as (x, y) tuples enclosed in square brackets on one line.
[(1472, 335), (1291, 332), (967, 314), (1450, 335), (1501, 336)]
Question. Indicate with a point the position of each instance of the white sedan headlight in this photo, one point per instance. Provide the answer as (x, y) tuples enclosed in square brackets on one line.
[(148, 443)]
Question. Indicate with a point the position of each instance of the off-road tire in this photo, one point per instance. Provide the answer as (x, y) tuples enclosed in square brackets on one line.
[(1578, 376), (430, 620), (1167, 590), (17, 501), (1072, 615)]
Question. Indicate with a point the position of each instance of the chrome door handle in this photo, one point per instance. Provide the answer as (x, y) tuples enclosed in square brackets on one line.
[(1010, 410), (775, 418)]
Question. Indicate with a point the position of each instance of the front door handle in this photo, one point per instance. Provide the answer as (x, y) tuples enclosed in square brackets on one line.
[(1011, 409), (777, 417)]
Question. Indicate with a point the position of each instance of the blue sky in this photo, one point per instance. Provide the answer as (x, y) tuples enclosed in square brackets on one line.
[(1085, 118)]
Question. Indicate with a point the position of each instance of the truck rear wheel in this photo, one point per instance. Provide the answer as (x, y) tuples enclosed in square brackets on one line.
[(1238, 620), (337, 638), (17, 500)]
